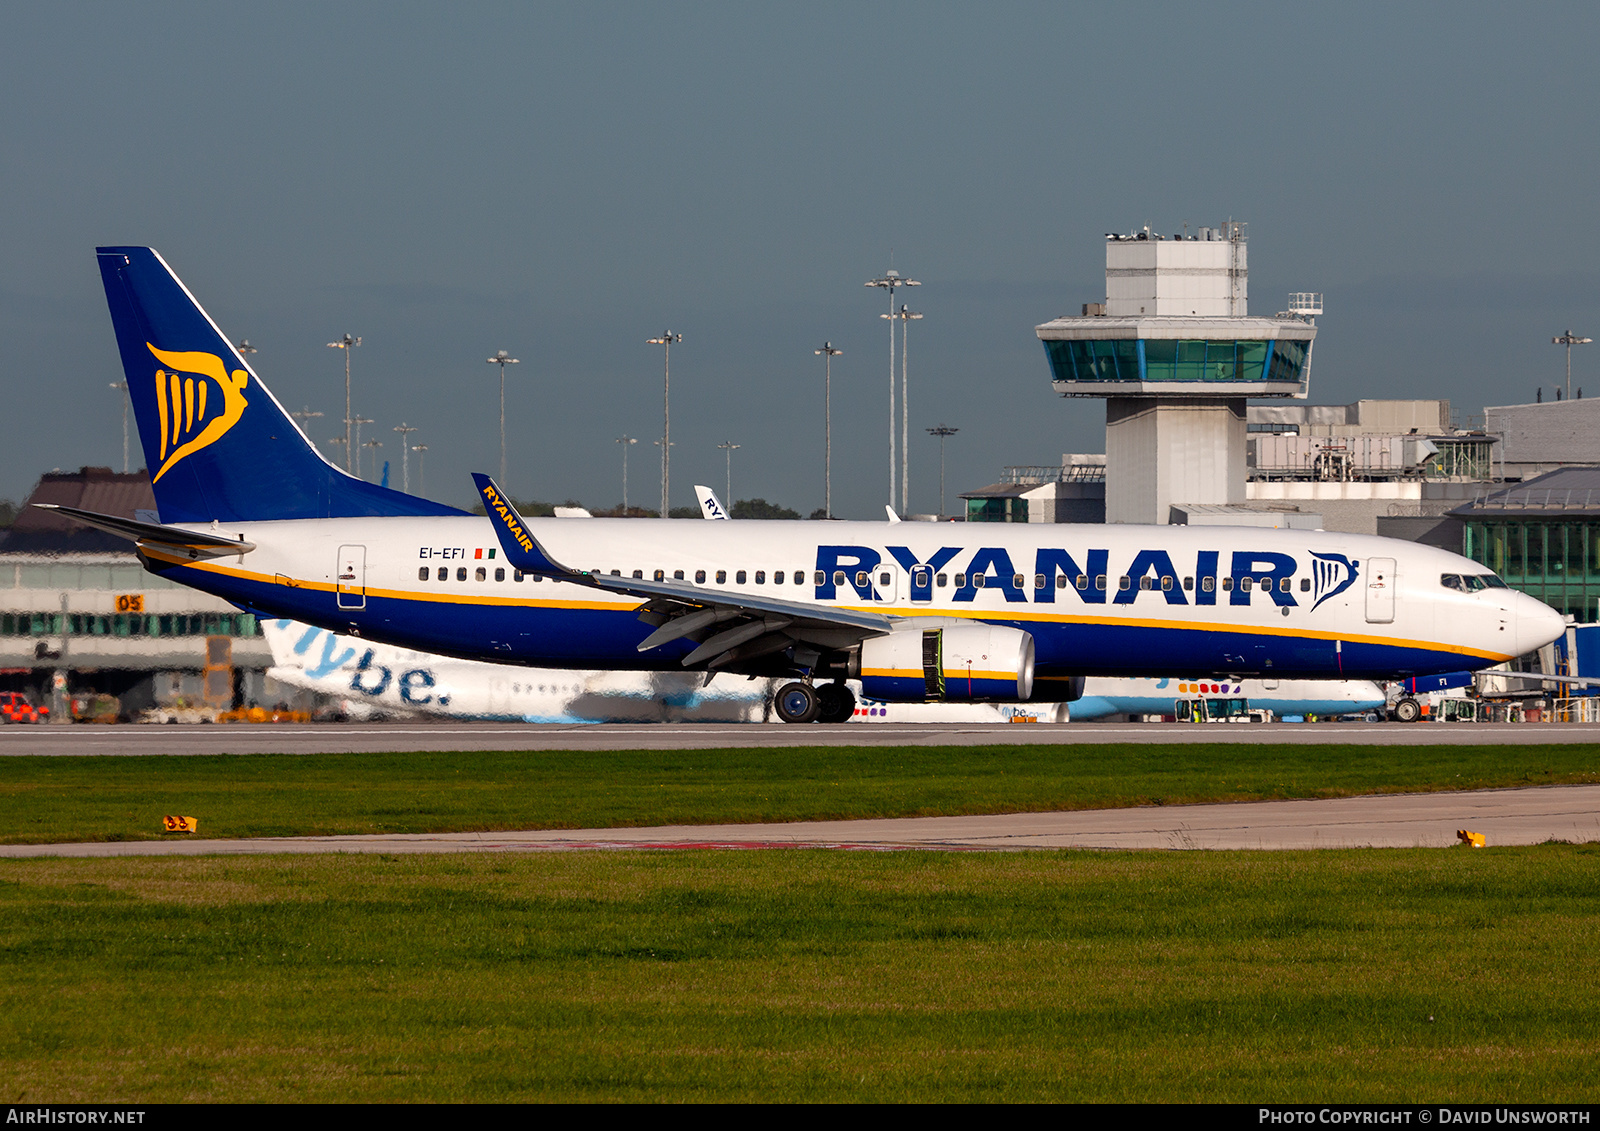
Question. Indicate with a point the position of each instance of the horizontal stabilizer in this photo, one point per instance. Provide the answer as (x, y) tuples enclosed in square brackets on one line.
[(212, 545)]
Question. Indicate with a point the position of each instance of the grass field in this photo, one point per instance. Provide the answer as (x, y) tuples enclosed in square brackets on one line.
[(68, 799), (1428, 975)]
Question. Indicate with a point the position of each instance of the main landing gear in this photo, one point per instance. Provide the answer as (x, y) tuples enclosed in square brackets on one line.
[(802, 703)]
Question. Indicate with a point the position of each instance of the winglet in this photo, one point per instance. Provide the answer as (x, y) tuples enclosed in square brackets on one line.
[(893, 518), (709, 506), (521, 548)]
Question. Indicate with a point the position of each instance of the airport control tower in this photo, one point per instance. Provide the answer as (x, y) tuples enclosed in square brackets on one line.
[(1175, 355)]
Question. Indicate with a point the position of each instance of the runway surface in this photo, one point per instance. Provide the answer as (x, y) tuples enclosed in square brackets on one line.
[(369, 738), (1506, 816)]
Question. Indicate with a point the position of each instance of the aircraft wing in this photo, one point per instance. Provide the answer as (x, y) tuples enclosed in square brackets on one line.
[(191, 542), (729, 628)]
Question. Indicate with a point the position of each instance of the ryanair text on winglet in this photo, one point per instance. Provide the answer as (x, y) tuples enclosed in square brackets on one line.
[(492, 498)]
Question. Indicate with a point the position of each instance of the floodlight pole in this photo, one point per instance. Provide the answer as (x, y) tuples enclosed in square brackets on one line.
[(626, 442), (1569, 340), (890, 280), (943, 433), (906, 318), (405, 431), (123, 385), (358, 422), (422, 478), (502, 359), (347, 343), (667, 340), (729, 447), (828, 353)]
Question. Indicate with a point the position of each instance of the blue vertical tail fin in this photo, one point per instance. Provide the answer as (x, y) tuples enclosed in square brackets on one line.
[(218, 445)]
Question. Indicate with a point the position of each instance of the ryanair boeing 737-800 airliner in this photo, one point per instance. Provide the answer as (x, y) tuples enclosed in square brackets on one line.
[(251, 512)]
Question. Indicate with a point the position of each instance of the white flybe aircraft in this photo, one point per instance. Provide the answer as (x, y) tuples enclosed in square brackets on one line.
[(916, 611), (369, 677)]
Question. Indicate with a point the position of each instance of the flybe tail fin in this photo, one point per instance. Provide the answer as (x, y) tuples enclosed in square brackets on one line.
[(218, 445)]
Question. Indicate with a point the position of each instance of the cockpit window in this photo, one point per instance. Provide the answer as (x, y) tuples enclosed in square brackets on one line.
[(1471, 582)]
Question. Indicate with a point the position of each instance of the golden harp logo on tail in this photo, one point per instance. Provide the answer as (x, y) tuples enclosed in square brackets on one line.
[(193, 414)]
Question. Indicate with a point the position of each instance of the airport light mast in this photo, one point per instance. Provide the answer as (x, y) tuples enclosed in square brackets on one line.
[(346, 343), (827, 353), (405, 431), (729, 447), (906, 317), (943, 433), (422, 478), (626, 442), (123, 385), (667, 340), (358, 422), (502, 359), (1569, 340), (891, 280)]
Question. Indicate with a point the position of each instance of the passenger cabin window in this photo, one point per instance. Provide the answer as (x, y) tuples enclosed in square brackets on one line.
[(1227, 584), (699, 577), (1018, 581), (1188, 584), (1166, 583), (1305, 585), (444, 573), (884, 579), (1124, 582), (961, 580), (722, 577), (799, 577), (761, 577), (517, 575), (777, 577), (480, 574), (677, 575), (838, 577), (861, 578), (1247, 583), (979, 580), (1147, 583), (738, 578), (660, 575), (500, 574), (638, 574), (940, 580), (1284, 585), (422, 574), (1208, 585), (1083, 581), (819, 578), (1100, 582)]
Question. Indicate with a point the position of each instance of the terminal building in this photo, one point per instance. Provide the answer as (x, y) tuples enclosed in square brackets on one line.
[(80, 619)]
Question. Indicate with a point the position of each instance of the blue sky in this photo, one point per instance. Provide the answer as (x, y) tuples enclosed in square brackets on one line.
[(565, 181)]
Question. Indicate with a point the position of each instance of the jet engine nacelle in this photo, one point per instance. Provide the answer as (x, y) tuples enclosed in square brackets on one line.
[(956, 663)]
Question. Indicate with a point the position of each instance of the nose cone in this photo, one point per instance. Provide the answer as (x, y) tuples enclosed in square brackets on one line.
[(1536, 624)]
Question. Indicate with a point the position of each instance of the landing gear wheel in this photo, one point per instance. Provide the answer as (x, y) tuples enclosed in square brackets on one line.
[(835, 703), (1408, 710), (796, 703)]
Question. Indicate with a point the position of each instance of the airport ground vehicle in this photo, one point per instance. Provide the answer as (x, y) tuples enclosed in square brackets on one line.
[(916, 612), (16, 707), (1216, 710)]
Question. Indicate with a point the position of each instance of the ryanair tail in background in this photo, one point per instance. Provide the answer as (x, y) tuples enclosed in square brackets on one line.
[(217, 443)]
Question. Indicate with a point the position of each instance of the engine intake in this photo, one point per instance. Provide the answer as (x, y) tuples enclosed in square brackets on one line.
[(959, 663)]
